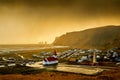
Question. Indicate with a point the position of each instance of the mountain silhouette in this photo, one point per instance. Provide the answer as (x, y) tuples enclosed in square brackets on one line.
[(101, 37)]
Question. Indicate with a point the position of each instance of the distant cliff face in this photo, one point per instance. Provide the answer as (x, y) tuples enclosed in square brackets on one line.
[(102, 37)]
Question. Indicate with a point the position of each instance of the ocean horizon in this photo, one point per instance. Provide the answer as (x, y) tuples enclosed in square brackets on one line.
[(25, 47)]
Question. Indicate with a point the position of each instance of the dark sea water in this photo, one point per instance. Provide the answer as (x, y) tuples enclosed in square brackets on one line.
[(22, 47)]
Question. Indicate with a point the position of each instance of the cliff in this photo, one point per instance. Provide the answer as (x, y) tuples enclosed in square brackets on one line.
[(101, 37)]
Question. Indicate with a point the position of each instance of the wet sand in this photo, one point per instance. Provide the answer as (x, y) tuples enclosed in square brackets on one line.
[(82, 69)]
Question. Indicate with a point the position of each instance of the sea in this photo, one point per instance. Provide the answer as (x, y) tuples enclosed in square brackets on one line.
[(23, 47)]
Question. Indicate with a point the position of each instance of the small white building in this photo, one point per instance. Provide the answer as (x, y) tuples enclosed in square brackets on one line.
[(51, 60)]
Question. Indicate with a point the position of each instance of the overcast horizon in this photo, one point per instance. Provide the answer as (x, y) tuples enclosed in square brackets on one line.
[(33, 21)]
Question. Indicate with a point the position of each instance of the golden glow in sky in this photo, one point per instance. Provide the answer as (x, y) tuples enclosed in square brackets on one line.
[(32, 21)]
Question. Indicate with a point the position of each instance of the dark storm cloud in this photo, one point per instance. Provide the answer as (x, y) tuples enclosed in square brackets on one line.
[(29, 21), (101, 7), (84, 7), (38, 2)]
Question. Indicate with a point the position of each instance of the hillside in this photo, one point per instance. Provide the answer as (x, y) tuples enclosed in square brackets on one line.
[(51, 75), (101, 37)]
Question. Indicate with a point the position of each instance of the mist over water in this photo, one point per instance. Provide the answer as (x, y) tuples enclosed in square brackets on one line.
[(26, 47)]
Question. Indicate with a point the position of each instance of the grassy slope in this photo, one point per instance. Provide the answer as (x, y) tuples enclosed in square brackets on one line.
[(51, 75), (102, 37)]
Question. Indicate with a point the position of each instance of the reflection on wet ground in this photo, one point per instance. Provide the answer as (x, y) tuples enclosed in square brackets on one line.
[(83, 69)]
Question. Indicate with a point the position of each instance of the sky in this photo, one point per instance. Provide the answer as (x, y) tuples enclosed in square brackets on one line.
[(33, 21)]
